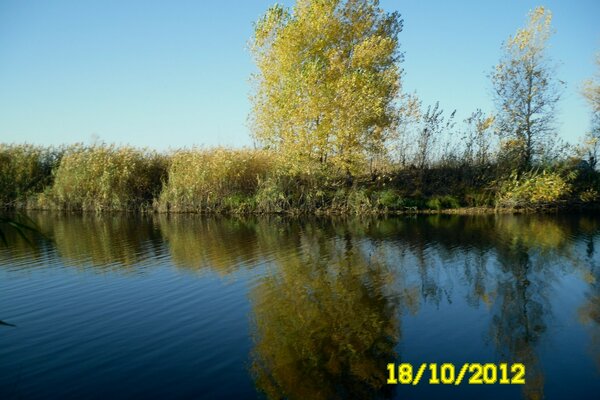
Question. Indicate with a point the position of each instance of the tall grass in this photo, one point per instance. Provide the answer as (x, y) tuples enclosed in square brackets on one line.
[(214, 180), (25, 170), (105, 177)]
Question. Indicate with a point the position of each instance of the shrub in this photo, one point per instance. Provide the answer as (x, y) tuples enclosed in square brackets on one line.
[(358, 201), (589, 195), (389, 199), (24, 171), (533, 189), (481, 198), (221, 180), (442, 203), (107, 178)]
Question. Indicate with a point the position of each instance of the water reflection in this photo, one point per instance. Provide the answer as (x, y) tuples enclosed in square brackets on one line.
[(325, 321), (105, 242), (329, 299), (519, 319), (221, 245), (108, 242), (328, 318), (589, 312)]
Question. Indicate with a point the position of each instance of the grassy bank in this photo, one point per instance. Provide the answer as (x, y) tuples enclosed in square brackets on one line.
[(110, 178)]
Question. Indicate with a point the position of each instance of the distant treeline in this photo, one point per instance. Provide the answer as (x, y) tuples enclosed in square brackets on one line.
[(105, 177)]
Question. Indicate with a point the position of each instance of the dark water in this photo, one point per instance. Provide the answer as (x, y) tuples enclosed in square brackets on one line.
[(190, 307)]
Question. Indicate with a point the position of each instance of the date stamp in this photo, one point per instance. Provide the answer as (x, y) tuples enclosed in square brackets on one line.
[(449, 374)]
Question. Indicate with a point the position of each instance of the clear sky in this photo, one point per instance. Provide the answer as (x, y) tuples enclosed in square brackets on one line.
[(168, 74)]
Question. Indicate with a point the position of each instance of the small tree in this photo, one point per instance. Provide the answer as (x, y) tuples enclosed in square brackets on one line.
[(526, 92), (401, 144), (328, 75), (432, 126), (478, 138)]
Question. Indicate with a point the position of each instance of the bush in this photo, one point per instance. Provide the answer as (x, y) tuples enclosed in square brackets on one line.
[(589, 196), (389, 200), (107, 178), (24, 171), (442, 203), (533, 189), (479, 199), (217, 180)]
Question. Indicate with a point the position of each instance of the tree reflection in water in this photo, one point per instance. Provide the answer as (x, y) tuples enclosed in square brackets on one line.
[(325, 322), (589, 312), (328, 317), (330, 297)]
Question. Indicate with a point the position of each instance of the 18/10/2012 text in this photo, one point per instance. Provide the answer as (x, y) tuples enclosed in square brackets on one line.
[(448, 374)]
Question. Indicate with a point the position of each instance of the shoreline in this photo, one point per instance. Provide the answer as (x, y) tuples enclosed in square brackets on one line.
[(563, 209)]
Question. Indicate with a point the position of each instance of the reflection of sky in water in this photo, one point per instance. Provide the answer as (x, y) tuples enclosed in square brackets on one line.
[(189, 306)]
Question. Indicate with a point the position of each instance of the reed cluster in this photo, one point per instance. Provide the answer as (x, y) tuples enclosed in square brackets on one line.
[(25, 170), (104, 177), (214, 180)]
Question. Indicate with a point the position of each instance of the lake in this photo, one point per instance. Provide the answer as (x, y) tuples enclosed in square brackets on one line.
[(121, 306)]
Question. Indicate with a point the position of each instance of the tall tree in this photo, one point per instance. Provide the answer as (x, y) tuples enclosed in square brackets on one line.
[(591, 88), (328, 75), (591, 91), (526, 91)]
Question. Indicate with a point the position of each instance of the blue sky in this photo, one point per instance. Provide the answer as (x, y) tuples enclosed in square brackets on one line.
[(167, 74)]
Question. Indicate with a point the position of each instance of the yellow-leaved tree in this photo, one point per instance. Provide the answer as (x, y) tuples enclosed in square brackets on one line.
[(526, 91), (328, 76)]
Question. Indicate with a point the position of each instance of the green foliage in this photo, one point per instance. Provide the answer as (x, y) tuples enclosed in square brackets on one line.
[(534, 189), (358, 201), (107, 178), (24, 171), (389, 199), (215, 180), (442, 203), (479, 199)]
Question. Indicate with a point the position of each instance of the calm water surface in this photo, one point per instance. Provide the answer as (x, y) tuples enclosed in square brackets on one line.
[(191, 307)]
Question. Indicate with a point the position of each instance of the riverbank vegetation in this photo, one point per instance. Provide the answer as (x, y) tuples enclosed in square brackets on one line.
[(335, 132), (108, 178)]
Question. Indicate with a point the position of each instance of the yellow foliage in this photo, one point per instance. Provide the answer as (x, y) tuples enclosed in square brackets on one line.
[(328, 76), (533, 37), (533, 189), (203, 180), (107, 177)]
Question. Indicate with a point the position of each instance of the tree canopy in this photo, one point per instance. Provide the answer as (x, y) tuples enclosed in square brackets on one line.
[(328, 76), (526, 91)]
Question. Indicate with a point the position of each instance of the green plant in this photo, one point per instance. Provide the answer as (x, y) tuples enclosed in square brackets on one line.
[(107, 178), (442, 202), (214, 180), (24, 171), (533, 189), (389, 199)]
